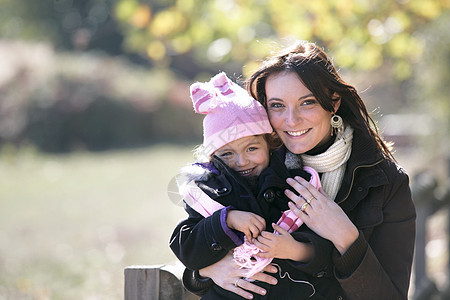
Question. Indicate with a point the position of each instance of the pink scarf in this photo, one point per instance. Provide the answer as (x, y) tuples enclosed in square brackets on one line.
[(245, 255)]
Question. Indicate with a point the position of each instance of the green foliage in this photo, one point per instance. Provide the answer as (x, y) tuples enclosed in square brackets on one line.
[(360, 34), (27, 20)]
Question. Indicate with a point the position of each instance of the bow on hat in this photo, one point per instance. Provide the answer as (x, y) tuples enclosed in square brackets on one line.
[(207, 95)]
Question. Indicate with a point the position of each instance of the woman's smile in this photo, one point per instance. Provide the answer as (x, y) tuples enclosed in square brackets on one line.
[(297, 133)]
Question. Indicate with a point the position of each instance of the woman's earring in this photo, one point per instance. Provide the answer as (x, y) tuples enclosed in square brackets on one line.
[(337, 125)]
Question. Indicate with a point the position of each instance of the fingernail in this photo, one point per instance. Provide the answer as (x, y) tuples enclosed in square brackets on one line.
[(289, 180), (263, 292)]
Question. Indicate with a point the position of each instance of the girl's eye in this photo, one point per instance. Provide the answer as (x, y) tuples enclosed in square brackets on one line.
[(225, 154), (251, 149)]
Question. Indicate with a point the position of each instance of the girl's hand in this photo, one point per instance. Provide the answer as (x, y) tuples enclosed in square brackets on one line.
[(246, 222), (322, 215), (229, 276), (283, 246)]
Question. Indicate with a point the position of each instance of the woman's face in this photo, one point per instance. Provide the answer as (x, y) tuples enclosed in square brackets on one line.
[(295, 114)]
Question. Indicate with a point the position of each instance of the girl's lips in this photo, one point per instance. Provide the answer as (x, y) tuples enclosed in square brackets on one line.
[(247, 172), (297, 133)]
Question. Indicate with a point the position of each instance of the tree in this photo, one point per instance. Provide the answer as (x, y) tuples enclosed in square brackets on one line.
[(360, 34)]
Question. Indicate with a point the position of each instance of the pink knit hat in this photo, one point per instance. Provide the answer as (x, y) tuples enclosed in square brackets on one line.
[(231, 113)]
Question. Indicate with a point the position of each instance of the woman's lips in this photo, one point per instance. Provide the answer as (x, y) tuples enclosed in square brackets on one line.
[(297, 133)]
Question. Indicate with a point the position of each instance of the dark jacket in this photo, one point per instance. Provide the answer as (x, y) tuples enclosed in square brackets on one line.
[(375, 194), (199, 242)]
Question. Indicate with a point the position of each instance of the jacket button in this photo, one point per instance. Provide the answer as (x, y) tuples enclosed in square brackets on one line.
[(339, 298), (321, 274), (360, 189), (269, 196), (222, 190), (216, 247)]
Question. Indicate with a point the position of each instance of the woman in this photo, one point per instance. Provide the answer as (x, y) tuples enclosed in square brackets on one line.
[(365, 207)]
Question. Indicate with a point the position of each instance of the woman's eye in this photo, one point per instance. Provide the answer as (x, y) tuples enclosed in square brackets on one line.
[(250, 149), (309, 102), (275, 105)]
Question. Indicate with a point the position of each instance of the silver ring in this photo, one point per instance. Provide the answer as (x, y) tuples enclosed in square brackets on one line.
[(236, 282)]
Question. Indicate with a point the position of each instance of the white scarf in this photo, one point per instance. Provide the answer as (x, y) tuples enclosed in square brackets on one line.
[(332, 162)]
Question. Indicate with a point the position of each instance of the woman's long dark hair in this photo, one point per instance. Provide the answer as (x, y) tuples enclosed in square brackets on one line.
[(316, 70)]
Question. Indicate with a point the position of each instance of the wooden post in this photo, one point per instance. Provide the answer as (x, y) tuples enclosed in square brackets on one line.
[(161, 282)]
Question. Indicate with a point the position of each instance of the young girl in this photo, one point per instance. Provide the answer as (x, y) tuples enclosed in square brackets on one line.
[(246, 181)]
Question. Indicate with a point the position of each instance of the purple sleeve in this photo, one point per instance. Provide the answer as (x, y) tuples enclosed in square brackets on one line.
[(234, 235)]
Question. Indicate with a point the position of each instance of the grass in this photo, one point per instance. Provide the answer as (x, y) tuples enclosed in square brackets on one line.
[(70, 224)]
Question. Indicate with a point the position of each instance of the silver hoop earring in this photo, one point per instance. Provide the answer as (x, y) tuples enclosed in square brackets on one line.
[(337, 125)]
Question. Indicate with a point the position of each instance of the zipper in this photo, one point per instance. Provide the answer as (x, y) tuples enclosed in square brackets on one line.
[(353, 177)]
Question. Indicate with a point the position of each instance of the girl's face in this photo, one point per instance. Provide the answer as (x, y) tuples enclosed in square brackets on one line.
[(249, 156), (295, 114)]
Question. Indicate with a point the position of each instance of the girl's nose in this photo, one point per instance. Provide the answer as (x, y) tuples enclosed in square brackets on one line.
[(241, 160)]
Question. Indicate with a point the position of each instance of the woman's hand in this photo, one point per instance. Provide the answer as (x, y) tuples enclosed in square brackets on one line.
[(282, 245), (227, 274), (246, 222), (322, 215)]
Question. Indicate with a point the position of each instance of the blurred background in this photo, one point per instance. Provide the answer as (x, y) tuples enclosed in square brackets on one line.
[(96, 119)]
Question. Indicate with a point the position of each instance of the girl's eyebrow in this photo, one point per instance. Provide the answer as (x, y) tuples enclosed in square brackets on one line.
[(251, 143), (223, 150)]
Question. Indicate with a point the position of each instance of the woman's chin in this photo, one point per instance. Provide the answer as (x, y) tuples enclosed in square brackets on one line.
[(295, 148)]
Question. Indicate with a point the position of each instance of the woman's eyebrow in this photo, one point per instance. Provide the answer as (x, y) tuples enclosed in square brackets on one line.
[(274, 99), (301, 98), (306, 96)]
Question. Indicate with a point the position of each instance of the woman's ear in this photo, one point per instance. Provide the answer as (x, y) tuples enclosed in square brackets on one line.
[(336, 101)]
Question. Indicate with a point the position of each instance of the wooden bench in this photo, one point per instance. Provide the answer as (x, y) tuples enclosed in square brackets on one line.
[(159, 282)]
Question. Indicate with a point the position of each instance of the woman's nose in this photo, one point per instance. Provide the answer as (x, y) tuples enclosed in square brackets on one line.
[(292, 118)]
